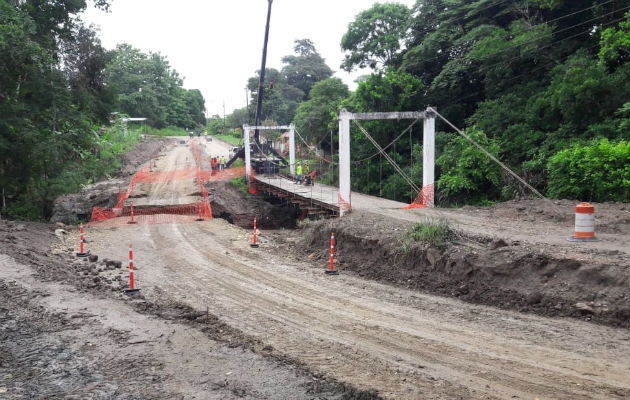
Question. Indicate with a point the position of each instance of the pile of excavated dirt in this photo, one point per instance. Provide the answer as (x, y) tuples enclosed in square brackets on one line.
[(240, 209), (229, 203), (486, 270), (147, 149), (75, 207)]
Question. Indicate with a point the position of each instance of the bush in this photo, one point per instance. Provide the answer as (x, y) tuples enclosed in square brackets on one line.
[(596, 171), (168, 131), (466, 174)]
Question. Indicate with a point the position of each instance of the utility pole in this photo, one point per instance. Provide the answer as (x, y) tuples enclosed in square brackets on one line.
[(261, 80), (224, 117), (247, 103)]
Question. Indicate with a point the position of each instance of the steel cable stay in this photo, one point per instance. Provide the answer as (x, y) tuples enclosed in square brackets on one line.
[(496, 160), (388, 158)]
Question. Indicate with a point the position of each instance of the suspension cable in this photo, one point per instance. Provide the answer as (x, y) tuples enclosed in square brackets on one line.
[(390, 144), (388, 158)]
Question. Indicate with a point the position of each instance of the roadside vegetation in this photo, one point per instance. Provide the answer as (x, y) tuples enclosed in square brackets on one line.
[(230, 139), (61, 98), (542, 85), (168, 131), (241, 184), (435, 232)]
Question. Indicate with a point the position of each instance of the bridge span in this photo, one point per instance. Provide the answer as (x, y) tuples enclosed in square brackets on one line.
[(317, 199)]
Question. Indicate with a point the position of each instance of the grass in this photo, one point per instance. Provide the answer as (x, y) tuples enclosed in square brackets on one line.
[(168, 131), (229, 138), (241, 184), (435, 232)]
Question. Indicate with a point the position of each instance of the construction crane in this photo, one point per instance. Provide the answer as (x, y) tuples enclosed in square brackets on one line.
[(264, 156)]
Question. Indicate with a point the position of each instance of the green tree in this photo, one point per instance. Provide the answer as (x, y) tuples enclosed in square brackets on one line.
[(280, 100), (47, 107), (147, 86), (375, 36), (466, 175), (305, 68), (389, 90), (317, 115), (215, 125), (615, 44)]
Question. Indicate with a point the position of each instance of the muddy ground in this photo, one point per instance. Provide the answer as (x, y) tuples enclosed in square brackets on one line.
[(69, 332), (215, 319), (240, 209)]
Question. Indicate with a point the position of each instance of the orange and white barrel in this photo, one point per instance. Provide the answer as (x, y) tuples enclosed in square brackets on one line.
[(584, 222)]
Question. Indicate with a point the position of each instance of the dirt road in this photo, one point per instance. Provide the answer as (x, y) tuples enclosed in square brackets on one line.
[(401, 343)]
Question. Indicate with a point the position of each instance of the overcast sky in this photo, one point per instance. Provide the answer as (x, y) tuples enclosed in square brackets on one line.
[(216, 45)]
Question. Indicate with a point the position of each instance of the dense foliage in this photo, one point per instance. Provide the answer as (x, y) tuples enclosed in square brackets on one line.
[(146, 86), (595, 171), (542, 84), (58, 88)]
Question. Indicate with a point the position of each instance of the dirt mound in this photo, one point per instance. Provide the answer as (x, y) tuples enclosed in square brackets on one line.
[(230, 203), (144, 151), (496, 272), (75, 207)]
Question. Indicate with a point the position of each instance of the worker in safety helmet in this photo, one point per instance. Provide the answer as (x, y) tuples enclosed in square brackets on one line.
[(307, 170), (298, 173)]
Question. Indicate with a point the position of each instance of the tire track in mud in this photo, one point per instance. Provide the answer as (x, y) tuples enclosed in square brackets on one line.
[(366, 337), (244, 286)]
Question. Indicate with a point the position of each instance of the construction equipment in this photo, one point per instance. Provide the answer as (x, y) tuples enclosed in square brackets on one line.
[(264, 158)]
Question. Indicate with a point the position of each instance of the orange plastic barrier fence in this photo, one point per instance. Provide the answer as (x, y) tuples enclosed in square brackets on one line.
[(148, 215), (425, 196), (119, 214), (189, 173)]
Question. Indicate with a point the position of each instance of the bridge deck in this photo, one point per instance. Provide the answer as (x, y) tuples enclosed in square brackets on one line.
[(318, 195)]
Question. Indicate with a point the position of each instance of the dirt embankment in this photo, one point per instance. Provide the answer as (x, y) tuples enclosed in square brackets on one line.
[(229, 203), (72, 208), (486, 270)]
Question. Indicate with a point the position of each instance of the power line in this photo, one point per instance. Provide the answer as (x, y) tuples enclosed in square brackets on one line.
[(482, 69), (518, 76), (464, 16), (446, 51), (526, 73)]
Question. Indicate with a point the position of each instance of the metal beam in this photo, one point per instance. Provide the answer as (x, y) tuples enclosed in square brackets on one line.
[(387, 115), (265, 127), (246, 147)]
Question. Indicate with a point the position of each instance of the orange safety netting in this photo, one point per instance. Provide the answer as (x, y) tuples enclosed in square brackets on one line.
[(206, 202), (146, 215), (189, 173), (252, 186), (121, 214), (343, 205), (423, 199)]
